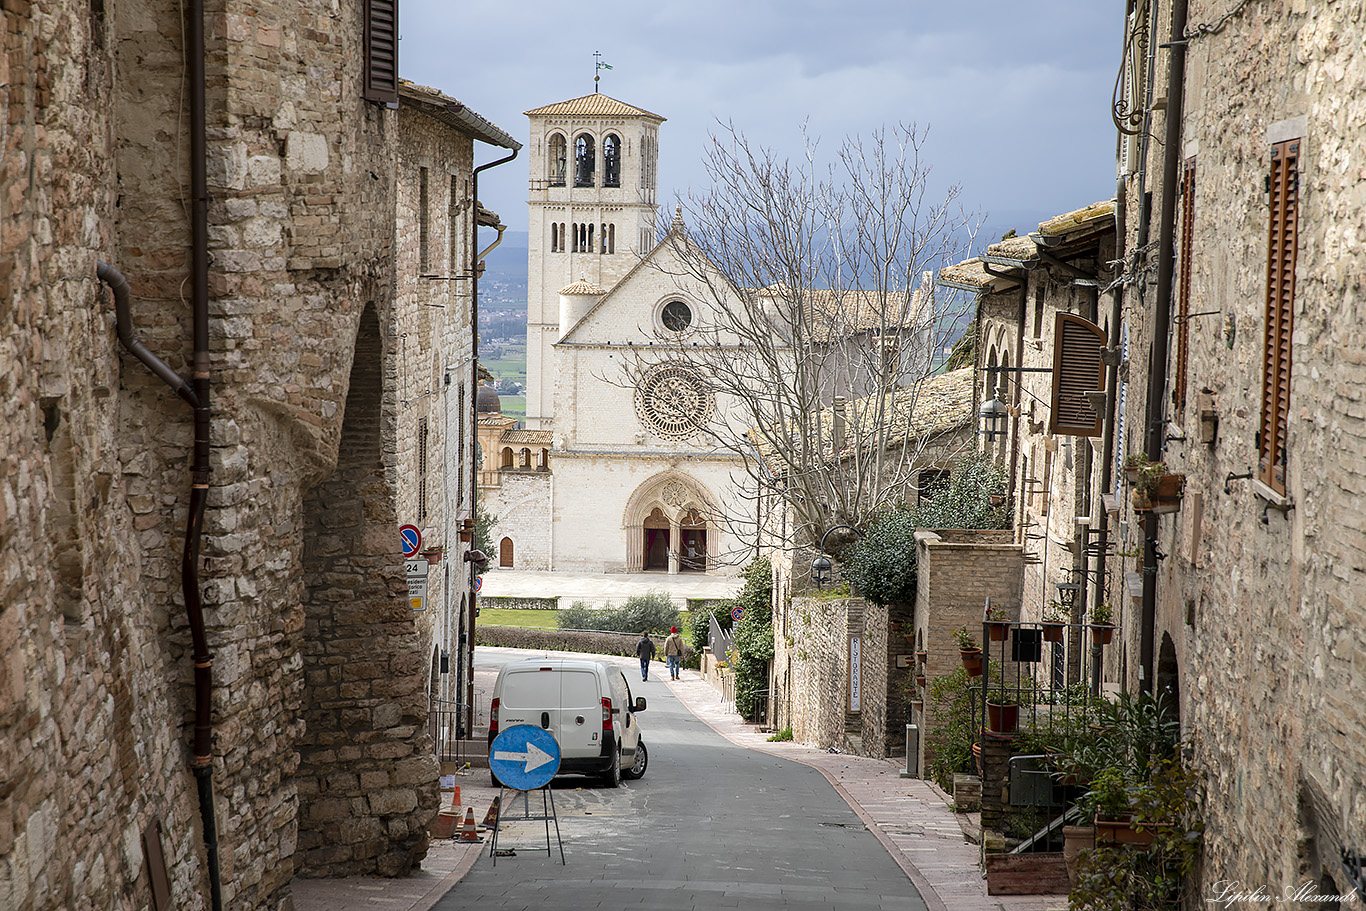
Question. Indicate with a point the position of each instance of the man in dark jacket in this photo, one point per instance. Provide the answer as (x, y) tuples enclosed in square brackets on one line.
[(645, 651)]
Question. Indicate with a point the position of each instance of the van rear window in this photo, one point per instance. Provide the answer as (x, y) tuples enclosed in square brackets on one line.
[(540, 690)]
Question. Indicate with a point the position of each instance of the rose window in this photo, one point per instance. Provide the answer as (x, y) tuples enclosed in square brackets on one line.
[(673, 401)]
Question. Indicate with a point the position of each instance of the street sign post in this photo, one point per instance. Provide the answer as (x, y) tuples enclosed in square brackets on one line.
[(737, 613), (416, 570), (525, 758), (411, 536)]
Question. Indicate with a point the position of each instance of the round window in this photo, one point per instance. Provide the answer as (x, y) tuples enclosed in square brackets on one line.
[(676, 316), (673, 401)]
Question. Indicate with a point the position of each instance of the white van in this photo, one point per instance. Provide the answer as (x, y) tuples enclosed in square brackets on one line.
[(585, 705)]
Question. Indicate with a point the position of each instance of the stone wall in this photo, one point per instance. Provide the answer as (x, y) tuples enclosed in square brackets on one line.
[(523, 504), (1261, 610), (302, 580), (956, 571), (811, 670)]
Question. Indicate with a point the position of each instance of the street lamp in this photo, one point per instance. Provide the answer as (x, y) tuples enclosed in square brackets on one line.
[(821, 566), (992, 414)]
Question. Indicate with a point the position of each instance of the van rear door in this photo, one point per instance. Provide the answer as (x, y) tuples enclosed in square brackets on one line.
[(567, 703)]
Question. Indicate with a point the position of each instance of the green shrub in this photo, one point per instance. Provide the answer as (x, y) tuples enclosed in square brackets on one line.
[(597, 643), (881, 564), (949, 742), (782, 736), (966, 501), (651, 612), (754, 638)]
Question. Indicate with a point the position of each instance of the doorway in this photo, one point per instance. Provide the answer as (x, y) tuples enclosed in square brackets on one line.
[(505, 553), (656, 541)]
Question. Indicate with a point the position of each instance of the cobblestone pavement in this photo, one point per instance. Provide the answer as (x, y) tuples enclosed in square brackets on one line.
[(911, 818)]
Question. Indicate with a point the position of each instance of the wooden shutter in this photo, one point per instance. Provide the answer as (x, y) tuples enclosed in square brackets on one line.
[(1077, 370), (1183, 302), (1282, 247), (381, 51)]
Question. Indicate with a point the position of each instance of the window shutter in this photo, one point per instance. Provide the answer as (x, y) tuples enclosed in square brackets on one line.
[(1077, 370), (1183, 302), (381, 51), (1282, 247)]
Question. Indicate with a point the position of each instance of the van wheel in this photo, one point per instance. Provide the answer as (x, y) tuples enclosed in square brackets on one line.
[(612, 777), (637, 769)]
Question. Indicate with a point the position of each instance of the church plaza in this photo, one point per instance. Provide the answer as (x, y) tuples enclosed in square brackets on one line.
[(599, 588)]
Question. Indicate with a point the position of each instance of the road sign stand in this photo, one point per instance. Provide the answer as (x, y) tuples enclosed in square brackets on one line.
[(547, 813)]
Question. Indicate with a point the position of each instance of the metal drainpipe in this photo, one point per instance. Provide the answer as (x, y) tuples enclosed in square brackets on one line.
[(474, 416), (1157, 373), (196, 394)]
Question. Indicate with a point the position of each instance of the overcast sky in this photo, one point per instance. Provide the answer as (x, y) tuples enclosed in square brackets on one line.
[(1016, 95)]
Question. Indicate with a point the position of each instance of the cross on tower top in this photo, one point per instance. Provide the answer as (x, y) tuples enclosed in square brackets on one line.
[(598, 66)]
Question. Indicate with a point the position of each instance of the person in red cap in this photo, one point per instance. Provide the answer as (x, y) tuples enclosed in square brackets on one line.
[(673, 652)]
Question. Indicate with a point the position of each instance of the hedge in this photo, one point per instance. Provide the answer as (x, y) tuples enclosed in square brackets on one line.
[(567, 640)]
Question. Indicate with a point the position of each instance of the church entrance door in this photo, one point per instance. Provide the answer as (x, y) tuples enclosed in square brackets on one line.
[(692, 550), (656, 541)]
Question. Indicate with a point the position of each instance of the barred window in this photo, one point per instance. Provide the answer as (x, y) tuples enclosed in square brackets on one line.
[(1282, 247)]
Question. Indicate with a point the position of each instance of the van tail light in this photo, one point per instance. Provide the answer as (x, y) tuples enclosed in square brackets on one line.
[(493, 717), (606, 714)]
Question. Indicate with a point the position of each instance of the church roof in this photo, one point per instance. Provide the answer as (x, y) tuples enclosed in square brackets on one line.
[(936, 405), (595, 105), (543, 437)]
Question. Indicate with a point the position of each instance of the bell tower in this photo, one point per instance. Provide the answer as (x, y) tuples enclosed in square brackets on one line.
[(591, 216)]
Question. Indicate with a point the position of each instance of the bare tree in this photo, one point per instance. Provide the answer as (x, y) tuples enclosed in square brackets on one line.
[(822, 319)]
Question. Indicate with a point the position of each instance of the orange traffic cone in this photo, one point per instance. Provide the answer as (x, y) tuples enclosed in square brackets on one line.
[(455, 799), (469, 833), (491, 817)]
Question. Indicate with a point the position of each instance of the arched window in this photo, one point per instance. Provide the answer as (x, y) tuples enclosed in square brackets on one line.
[(611, 238), (554, 237), (545, 461), (583, 161), (526, 458), (558, 149), (611, 161), (506, 461)]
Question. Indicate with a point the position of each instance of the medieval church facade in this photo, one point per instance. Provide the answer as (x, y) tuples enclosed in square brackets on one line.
[(614, 472)]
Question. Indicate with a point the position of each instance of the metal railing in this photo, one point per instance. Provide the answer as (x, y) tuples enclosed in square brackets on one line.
[(720, 641), (446, 724)]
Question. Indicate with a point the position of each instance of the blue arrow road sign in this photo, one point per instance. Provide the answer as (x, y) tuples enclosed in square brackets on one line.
[(524, 757)]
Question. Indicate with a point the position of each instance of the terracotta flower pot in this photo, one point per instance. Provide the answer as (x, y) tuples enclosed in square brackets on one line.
[(997, 631), (1002, 718), (1120, 831), (972, 661), (1052, 632), (1075, 840), (920, 680), (1102, 634)]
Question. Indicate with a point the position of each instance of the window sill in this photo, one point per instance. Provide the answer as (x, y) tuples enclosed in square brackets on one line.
[(1276, 500)]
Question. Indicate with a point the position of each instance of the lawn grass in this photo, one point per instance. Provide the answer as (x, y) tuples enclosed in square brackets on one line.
[(547, 619)]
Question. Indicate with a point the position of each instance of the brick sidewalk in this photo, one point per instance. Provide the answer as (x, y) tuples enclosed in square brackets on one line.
[(910, 817)]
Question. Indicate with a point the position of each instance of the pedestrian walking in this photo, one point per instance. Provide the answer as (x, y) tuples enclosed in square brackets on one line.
[(673, 652), (645, 651)]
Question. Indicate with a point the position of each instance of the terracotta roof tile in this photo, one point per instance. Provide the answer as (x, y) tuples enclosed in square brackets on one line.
[(595, 105)]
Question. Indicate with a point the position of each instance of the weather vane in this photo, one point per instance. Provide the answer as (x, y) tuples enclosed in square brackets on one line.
[(598, 66)]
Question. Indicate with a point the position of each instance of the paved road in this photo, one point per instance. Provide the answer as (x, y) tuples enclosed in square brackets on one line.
[(711, 825)]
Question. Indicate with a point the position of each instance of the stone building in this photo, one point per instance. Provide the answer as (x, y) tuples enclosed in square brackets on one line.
[(1239, 239), (813, 671), (141, 537), (1022, 285)]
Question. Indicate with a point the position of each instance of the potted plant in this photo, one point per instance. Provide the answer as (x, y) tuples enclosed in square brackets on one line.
[(1134, 465), (920, 680), (1003, 712), (1102, 624), (922, 656), (969, 651), (1054, 619), (1158, 490), (998, 627)]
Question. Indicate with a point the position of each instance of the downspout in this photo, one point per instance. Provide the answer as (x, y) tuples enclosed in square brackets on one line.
[(196, 394), (1157, 373), (475, 258)]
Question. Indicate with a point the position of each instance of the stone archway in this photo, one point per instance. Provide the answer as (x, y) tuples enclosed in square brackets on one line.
[(670, 525)]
